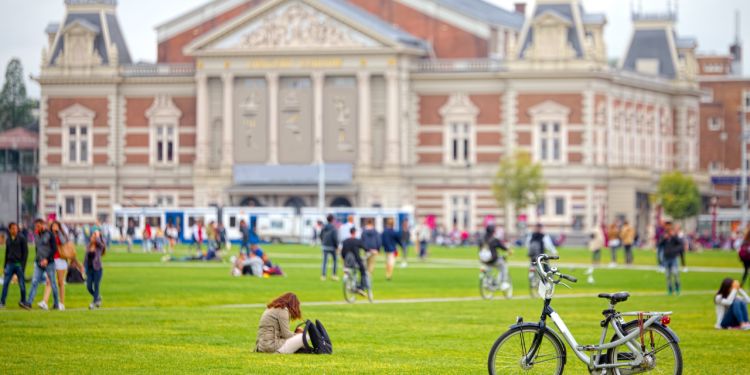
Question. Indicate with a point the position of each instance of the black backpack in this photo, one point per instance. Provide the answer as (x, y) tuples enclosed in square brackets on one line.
[(320, 342), (74, 276)]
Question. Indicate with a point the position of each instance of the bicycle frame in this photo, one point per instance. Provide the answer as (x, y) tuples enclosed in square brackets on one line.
[(612, 318)]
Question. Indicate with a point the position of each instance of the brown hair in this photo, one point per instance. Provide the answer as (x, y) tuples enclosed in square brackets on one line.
[(287, 301), (747, 237)]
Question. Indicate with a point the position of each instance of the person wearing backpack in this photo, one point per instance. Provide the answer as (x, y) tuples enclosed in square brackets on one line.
[(330, 241), (61, 268), (391, 241), (46, 247), (491, 257), (539, 243), (373, 243), (744, 253), (274, 335), (674, 247)]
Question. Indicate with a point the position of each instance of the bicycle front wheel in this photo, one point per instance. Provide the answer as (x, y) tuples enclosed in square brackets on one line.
[(662, 354), (510, 350), (349, 287)]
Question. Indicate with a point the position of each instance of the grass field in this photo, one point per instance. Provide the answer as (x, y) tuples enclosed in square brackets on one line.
[(194, 318)]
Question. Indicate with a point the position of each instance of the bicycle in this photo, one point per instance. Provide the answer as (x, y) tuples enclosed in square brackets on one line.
[(351, 280), (488, 283), (642, 345)]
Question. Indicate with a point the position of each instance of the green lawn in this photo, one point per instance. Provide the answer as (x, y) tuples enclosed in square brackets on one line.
[(195, 318)]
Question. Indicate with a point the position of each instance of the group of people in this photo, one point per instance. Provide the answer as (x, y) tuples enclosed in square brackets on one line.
[(333, 238), (153, 237), (55, 257), (252, 260)]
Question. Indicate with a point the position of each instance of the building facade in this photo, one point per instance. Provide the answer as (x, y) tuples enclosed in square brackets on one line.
[(404, 103)]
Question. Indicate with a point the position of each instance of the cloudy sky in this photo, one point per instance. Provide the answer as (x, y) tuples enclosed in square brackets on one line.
[(22, 24)]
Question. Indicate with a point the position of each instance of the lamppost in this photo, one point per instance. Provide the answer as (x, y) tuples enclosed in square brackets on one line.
[(714, 203)]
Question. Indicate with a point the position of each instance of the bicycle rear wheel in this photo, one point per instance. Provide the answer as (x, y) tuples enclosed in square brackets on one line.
[(486, 287), (662, 354), (511, 348)]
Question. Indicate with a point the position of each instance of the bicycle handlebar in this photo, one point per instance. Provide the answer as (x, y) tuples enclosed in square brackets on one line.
[(572, 279), (546, 276)]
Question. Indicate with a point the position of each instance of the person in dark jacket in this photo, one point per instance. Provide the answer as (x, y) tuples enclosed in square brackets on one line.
[(46, 246), (95, 249), (245, 242), (405, 241), (329, 239), (16, 253), (497, 260), (674, 247), (373, 242), (391, 241)]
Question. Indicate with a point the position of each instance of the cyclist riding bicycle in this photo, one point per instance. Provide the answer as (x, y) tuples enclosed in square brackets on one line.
[(350, 252), (491, 257), (539, 243)]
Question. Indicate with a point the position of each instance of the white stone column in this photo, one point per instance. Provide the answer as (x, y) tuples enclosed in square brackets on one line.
[(365, 129), (201, 113), (588, 118), (318, 79), (273, 117), (227, 157), (392, 116)]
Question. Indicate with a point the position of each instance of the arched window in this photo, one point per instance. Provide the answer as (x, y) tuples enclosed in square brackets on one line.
[(341, 202), (250, 202)]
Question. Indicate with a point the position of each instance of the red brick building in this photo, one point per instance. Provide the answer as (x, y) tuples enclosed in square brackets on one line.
[(408, 102)]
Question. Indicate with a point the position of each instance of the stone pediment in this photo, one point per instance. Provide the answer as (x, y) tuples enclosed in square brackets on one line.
[(289, 25)]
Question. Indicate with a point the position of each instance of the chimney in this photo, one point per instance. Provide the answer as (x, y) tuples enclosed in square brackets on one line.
[(520, 8)]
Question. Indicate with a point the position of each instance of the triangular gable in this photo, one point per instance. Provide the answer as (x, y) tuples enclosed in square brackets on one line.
[(551, 17), (549, 107), (290, 24)]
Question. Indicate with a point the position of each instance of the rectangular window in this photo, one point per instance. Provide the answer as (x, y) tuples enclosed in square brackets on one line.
[(165, 139), (164, 201), (541, 208), (460, 143), (86, 206), (70, 205), (78, 144), (559, 206), (707, 96), (714, 123), (550, 142), (460, 212)]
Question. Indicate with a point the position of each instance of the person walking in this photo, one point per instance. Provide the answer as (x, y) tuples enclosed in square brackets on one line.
[(44, 263), (198, 235), (391, 240), (613, 235), (330, 243), (373, 242), (423, 236), (244, 238), (94, 271), (596, 242), (674, 247), (172, 235), (405, 234), (146, 236), (627, 234), (130, 234), (744, 253), (16, 254), (61, 268)]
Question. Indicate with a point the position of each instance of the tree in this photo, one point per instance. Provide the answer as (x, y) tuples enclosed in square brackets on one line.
[(15, 107), (518, 183), (678, 195)]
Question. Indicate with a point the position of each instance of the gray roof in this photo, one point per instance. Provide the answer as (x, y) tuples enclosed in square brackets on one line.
[(651, 44), (361, 17), (52, 28), (686, 43), (485, 11), (566, 12), (93, 22), (291, 174), (594, 18)]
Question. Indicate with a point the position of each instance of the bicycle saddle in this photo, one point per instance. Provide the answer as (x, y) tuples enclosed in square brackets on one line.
[(615, 297)]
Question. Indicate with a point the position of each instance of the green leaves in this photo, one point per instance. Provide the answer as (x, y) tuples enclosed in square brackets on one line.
[(518, 181), (679, 195), (15, 107)]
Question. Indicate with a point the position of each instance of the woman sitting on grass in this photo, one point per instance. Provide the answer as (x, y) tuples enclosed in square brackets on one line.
[(274, 335), (731, 306)]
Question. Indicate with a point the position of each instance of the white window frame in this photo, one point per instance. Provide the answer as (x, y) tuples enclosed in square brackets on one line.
[(550, 213), (466, 205), (163, 113), (550, 113), (78, 117), (707, 96), (714, 123), (78, 197), (459, 111), (155, 195)]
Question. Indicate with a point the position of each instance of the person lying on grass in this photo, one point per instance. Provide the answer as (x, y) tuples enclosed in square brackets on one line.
[(247, 265), (210, 254), (274, 335), (731, 306)]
